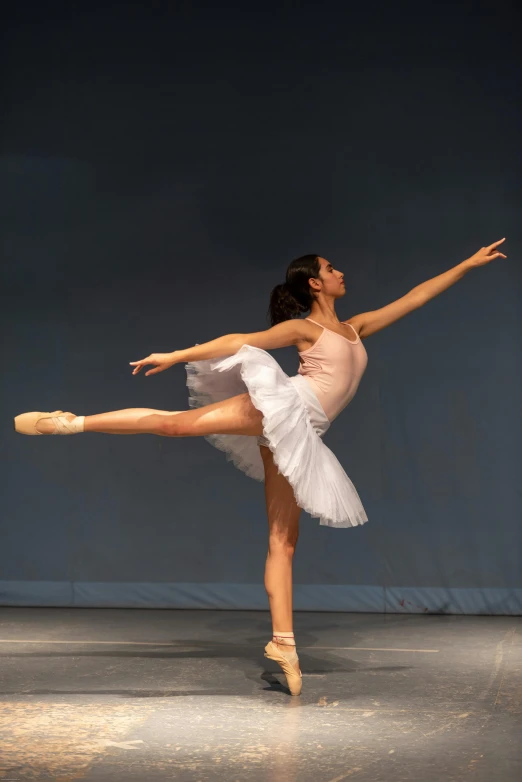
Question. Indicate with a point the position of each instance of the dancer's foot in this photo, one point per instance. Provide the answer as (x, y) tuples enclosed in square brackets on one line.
[(289, 650), (49, 423), (283, 651)]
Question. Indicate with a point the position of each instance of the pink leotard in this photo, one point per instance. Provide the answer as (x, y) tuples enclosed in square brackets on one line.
[(333, 366)]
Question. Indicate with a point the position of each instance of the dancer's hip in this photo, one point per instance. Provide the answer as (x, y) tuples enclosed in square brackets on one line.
[(318, 417)]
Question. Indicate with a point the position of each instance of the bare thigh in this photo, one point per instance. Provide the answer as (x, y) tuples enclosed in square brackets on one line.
[(282, 509), (235, 415)]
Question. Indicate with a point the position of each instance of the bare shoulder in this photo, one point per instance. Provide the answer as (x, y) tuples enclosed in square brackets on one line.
[(356, 322), (295, 331), (368, 323), (309, 333)]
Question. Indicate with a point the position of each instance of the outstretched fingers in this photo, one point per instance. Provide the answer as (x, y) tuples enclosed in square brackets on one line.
[(160, 361), (137, 366), (140, 364), (492, 247)]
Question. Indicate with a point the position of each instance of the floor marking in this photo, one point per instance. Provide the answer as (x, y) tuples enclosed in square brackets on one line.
[(371, 649), (513, 631), (345, 776), (196, 645), (121, 744)]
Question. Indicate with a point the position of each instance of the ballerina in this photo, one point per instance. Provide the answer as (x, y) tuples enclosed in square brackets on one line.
[(271, 425)]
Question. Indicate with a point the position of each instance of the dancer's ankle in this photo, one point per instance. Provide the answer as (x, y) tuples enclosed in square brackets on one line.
[(63, 423), (79, 423), (285, 641)]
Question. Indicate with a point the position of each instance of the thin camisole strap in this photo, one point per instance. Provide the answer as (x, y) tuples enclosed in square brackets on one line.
[(335, 332)]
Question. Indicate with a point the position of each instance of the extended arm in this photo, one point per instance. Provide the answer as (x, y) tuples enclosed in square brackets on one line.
[(367, 323), (281, 335)]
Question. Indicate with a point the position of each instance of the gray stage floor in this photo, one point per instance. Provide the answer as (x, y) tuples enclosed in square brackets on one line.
[(105, 694)]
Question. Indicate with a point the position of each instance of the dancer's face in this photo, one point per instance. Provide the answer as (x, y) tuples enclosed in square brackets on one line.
[(331, 281)]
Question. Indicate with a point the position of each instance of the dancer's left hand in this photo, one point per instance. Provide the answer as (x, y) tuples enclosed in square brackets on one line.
[(161, 361), (486, 254)]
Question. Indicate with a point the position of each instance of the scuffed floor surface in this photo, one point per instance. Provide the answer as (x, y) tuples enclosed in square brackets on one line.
[(130, 695)]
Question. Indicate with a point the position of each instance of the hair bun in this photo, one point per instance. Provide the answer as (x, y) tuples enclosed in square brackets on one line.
[(293, 296)]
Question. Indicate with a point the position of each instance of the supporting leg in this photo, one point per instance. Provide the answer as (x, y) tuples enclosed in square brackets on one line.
[(283, 523)]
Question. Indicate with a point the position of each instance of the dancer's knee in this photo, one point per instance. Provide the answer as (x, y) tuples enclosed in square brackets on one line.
[(171, 425), (282, 544)]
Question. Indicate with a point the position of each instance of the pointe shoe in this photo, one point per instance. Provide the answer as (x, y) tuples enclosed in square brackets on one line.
[(26, 423), (294, 678)]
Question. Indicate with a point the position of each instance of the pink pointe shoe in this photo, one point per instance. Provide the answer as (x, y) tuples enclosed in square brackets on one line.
[(290, 666), (26, 423)]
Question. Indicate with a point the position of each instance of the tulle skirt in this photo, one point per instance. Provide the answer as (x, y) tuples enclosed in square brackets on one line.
[(293, 425)]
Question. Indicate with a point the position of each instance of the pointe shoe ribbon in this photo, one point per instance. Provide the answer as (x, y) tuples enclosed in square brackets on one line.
[(26, 423), (294, 677)]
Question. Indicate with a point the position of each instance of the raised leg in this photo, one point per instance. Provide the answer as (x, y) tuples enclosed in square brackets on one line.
[(235, 415), (133, 420)]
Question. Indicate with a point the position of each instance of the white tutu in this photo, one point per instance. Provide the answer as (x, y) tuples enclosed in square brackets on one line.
[(293, 423)]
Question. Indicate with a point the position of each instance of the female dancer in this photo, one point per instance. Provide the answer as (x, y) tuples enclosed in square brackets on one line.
[(271, 425)]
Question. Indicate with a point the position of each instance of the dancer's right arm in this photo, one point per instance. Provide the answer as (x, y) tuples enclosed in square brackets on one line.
[(289, 332)]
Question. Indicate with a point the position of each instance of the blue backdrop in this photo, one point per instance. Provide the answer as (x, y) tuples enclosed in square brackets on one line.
[(160, 168)]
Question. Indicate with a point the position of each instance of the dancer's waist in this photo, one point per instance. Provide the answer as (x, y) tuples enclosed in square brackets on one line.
[(305, 389)]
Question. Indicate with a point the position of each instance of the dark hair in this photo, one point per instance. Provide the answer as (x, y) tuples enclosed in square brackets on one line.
[(294, 296)]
